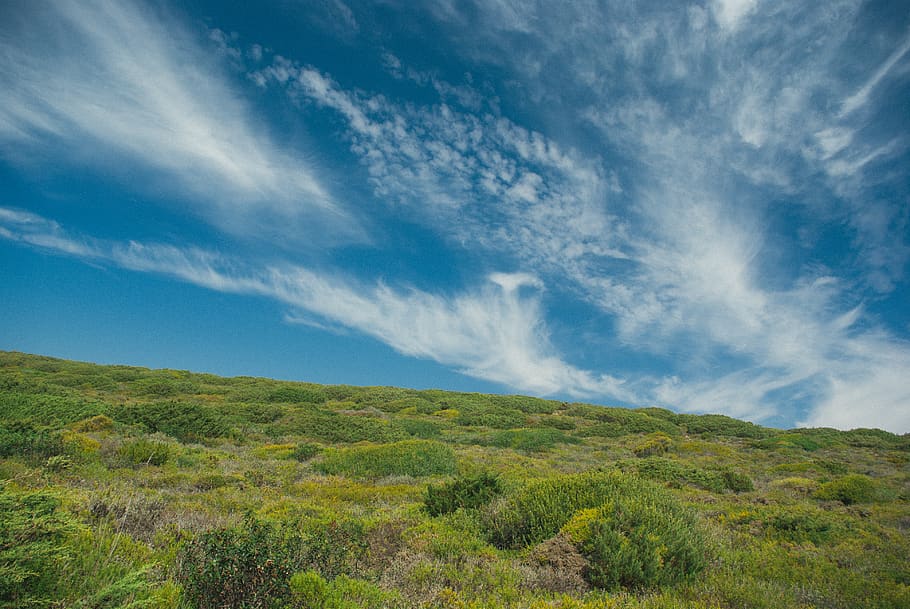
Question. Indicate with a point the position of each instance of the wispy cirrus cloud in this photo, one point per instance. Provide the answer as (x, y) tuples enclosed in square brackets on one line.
[(711, 116), (495, 332), (104, 84)]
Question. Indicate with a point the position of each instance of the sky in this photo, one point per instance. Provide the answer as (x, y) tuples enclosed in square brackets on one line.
[(701, 206)]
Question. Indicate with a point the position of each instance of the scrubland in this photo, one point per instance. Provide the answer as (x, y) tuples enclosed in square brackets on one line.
[(129, 487)]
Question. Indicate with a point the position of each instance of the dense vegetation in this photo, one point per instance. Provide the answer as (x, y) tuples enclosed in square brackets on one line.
[(128, 487)]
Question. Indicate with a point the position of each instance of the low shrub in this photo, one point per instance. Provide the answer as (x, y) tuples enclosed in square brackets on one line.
[(25, 439), (309, 590), (638, 541), (297, 394), (100, 422), (497, 418), (33, 535), (327, 426), (737, 482), (305, 451), (144, 452), (188, 422), (653, 444), (537, 511), (246, 567), (531, 440), (421, 429), (468, 492), (406, 458), (855, 488), (678, 474)]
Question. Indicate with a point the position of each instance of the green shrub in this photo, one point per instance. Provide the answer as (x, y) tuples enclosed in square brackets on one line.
[(638, 541), (305, 451), (653, 444), (558, 422), (737, 482), (720, 425), (185, 421), (464, 492), (327, 426), (421, 429), (310, 590), (678, 474), (531, 440), (537, 511), (33, 535), (497, 418), (297, 394), (406, 458), (855, 488), (616, 422), (144, 452), (799, 524), (100, 422), (25, 439), (245, 567)]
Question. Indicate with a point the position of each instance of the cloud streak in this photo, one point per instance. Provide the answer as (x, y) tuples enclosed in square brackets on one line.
[(112, 83), (496, 332)]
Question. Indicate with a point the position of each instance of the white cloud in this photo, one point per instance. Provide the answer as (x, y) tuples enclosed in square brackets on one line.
[(729, 13), (861, 97), (118, 87), (495, 332)]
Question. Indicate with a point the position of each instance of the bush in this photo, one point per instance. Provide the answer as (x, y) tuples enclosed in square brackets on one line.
[(297, 394), (246, 567), (678, 474), (737, 482), (185, 421), (332, 427), (497, 418), (24, 439), (305, 451), (311, 591), (539, 510), (421, 429), (468, 492), (638, 541), (144, 452), (33, 536), (531, 440), (653, 444), (406, 458), (855, 488)]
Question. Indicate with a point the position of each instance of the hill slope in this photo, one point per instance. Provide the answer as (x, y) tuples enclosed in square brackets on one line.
[(129, 487)]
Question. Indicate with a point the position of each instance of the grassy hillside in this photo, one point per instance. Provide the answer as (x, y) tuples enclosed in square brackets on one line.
[(129, 487)]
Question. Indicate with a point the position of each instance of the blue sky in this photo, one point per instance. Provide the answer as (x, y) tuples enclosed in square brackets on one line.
[(701, 206)]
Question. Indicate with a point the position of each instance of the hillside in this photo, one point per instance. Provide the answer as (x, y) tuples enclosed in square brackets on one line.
[(129, 487)]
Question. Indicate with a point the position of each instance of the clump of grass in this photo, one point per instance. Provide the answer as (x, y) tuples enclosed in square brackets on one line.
[(144, 452), (405, 458)]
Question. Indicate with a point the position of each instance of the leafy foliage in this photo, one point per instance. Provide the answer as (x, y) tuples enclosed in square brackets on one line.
[(406, 458), (855, 488), (641, 541), (185, 421), (468, 492)]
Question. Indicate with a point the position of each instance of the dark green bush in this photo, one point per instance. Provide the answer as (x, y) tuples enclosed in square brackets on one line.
[(188, 422), (737, 482), (245, 567), (305, 451), (638, 541), (855, 488), (297, 394), (463, 492), (558, 422), (406, 458), (616, 422), (25, 439)]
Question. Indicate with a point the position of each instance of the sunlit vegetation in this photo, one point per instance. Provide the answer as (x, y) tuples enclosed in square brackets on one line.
[(165, 489)]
